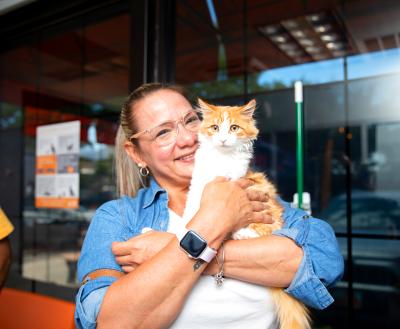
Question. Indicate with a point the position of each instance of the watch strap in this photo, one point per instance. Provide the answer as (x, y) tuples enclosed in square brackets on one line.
[(208, 254)]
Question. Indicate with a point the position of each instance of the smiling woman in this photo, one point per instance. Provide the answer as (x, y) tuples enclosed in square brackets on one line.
[(157, 108), (139, 271)]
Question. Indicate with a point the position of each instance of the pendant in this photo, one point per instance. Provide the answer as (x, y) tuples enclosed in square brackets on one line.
[(219, 278)]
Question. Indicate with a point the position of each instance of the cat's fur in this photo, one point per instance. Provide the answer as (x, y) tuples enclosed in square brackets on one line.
[(226, 151)]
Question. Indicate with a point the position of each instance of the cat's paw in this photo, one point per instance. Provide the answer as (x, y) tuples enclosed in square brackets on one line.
[(245, 233)]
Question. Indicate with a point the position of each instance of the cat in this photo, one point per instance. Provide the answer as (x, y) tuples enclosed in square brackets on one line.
[(226, 137)]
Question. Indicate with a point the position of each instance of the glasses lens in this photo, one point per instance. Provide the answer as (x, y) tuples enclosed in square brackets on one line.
[(192, 121), (164, 134)]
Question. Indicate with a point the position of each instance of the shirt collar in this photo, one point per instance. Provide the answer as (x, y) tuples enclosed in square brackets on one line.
[(151, 193)]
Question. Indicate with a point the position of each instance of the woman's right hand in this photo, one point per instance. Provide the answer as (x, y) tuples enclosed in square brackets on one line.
[(233, 205)]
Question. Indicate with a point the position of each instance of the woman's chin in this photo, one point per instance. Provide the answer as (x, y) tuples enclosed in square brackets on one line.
[(186, 168)]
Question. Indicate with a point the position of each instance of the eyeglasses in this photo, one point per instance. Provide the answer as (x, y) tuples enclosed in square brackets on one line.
[(166, 133)]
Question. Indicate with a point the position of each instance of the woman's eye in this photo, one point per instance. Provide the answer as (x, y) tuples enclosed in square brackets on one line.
[(214, 128), (193, 120), (162, 133), (234, 128)]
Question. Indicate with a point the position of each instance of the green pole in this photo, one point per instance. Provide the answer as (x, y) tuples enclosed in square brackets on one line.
[(298, 98)]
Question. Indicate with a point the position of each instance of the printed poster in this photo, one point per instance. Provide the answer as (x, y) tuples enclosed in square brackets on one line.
[(57, 165)]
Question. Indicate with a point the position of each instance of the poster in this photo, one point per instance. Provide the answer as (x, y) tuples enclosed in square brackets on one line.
[(57, 165)]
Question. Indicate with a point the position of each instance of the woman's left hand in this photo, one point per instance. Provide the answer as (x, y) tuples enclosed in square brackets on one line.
[(135, 251)]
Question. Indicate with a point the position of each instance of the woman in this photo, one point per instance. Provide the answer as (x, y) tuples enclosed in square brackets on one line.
[(164, 286)]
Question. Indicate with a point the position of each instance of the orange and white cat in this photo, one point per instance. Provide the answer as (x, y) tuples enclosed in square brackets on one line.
[(226, 139)]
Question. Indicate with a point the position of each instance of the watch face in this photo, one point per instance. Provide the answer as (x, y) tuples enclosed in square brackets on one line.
[(193, 244)]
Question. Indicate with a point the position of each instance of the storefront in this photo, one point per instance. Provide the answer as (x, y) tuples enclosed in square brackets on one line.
[(77, 61)]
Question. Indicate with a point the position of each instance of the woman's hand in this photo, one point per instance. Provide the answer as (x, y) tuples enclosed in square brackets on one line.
[(135, 251), (233, 204)]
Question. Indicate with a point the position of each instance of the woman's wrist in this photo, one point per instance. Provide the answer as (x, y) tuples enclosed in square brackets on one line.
[(210, 229)]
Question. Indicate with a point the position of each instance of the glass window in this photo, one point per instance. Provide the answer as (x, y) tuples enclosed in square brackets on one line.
[(80, 74), (347, 56)]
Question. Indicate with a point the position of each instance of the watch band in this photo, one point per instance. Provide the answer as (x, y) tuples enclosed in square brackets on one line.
[(208, 253)]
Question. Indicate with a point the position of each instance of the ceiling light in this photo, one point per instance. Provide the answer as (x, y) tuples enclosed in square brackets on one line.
[(270, 29), (316, 17), (300, 60), (288, 46), (279, 38), (313, 50), (290, 24), (306, 42), (334, 45), (294, 53), (319, 57), (329, 37), (323, 28), (298, 33)]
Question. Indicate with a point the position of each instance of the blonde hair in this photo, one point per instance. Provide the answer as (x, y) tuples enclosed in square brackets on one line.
[(128, 178)]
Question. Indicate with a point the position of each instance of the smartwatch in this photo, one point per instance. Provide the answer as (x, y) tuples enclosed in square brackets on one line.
[(195, 246)]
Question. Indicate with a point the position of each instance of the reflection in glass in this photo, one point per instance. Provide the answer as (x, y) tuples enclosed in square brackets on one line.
[(347, 55), (79, 74)]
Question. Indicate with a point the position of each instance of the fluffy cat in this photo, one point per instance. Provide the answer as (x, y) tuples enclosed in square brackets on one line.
[(226, 138)]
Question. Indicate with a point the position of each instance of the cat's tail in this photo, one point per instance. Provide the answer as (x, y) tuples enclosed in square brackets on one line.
[(292, 314)]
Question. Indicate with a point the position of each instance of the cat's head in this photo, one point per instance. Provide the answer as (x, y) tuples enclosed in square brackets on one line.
[(228, 126)]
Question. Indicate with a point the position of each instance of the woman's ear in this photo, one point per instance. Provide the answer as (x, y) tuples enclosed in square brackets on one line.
[(133, 153)]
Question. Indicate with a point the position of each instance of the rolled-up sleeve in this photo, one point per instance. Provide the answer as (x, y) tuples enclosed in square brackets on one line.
[(88, 301), (322, 264)]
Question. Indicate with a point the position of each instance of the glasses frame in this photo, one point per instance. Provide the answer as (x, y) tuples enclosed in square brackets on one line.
[(176, 124)]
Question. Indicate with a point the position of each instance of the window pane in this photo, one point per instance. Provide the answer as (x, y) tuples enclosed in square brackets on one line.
[(80, 74), (346, 54)]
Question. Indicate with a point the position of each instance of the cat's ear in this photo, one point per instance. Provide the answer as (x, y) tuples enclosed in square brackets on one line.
[(249, 108), (204, 106)]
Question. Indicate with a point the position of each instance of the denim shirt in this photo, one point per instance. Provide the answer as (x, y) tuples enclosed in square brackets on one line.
[(119, 220)]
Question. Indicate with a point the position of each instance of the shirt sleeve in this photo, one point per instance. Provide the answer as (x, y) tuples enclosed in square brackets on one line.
[(88, 301), (322, 264), (106, 227), (6, 227)]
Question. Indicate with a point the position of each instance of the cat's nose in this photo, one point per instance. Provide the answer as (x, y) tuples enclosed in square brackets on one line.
[(223, 141)]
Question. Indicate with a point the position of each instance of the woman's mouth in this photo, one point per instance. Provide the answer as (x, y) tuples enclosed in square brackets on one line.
[(186, 158)]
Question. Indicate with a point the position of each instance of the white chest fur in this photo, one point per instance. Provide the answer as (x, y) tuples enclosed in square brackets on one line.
[(210, 162)]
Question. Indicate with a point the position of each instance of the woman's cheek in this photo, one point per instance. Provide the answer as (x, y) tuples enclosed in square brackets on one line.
[(165, 152)]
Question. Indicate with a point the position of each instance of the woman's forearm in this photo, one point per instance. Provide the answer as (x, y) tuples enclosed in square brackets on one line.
[(269, 261), (152, 295)]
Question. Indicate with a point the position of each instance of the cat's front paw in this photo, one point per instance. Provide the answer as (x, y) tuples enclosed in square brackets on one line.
[(245, 233)]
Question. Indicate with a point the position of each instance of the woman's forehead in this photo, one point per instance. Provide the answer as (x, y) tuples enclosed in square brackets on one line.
[(161, 106)]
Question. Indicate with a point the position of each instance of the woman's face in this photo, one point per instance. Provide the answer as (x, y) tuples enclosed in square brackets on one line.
[(171, 164)]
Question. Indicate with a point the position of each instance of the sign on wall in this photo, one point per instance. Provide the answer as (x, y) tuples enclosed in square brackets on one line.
[(57, 165)]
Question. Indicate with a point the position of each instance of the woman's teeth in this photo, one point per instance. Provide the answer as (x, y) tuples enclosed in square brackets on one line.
[(186, 157)]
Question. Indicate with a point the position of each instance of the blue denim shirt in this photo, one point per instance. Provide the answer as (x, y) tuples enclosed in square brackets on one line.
[(119, 220)]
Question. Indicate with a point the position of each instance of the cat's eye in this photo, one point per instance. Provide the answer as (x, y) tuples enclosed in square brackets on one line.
[(214, 128), (234, 128)]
